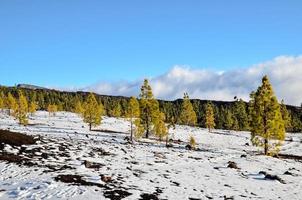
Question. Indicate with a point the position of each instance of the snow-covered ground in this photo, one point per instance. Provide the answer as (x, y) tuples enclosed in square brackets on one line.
[(144, 168)]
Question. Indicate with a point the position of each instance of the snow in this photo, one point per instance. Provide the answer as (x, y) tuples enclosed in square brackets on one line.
[(146, 166)]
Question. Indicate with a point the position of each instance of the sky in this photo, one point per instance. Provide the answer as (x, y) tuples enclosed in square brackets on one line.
[(108, 44)]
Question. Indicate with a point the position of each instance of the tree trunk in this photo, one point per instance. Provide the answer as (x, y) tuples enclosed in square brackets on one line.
[(266, 146), (166, 141), (147, 131)]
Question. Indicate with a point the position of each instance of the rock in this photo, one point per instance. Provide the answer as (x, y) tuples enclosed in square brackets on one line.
[(92, 165), (148, 197), (288, 173), (106, 179), (175, 183), (61, 148), (169, 145), (188, 147), (228, 198), (232, 165), (44, 155), (272, 177), (116, 194), (243, 156)]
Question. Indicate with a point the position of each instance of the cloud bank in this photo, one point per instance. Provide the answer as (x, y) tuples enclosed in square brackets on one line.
[(285, 73)]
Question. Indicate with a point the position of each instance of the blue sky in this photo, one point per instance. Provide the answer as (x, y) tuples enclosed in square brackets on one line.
[(77, 43)]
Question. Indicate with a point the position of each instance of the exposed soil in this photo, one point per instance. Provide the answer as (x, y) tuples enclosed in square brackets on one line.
[(15, 139)]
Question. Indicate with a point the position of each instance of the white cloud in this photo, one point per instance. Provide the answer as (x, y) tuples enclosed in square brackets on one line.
[(285, 73)]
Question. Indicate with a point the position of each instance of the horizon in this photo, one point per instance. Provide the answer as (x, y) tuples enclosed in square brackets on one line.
[(211, 50)]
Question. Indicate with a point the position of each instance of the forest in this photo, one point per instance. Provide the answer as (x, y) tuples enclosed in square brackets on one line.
[(232, 115)]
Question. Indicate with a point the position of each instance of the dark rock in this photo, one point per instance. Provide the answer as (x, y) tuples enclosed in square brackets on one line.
[(169, 145), (243, 156), (15, 139), (44, 155), (232, 165), (148, 197), (61, 148), (272, 177), (175, 183), (116, 194), (188, 147), (288, 173), (106, 179), (228, 198)]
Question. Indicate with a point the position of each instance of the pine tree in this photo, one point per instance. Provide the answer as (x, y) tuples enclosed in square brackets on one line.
[(93, 111), (139, 128), (2, 100), (78, 108), (240, 113), (52, 109), (160, 128), (32, 108), (149, 107), (267, 125), (11, 104), (229, 120), (117, 110), (285, 116), (188, 115), (192, 142), (236, 126), (22, 109), (132, 113), (210, 119)]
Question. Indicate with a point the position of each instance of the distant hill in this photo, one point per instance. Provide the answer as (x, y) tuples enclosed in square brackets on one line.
[(32, 87)]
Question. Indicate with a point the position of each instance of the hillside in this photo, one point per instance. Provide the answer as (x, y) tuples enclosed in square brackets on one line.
[(66, 100), (70, 162)]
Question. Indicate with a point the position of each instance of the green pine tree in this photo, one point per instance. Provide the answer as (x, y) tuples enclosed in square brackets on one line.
[(149, 107), (286, 116), (22, 109), (117, 110), (78, 108), (229, 120), (188, 115), (11, 104), (160, 128), (2, 100), (210, 118), (132, 113), (240, 113), (267, 125), (32, 108), (93, 111), (52, 109)]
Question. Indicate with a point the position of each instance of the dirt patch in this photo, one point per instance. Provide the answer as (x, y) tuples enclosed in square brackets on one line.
[(146, 196), (113, 194), (11, 158), (116, 194), (289, 156), (15, 139), (109, 131)]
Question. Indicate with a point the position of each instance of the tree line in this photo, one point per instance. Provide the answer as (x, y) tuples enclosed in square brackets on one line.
[(263, 115)]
